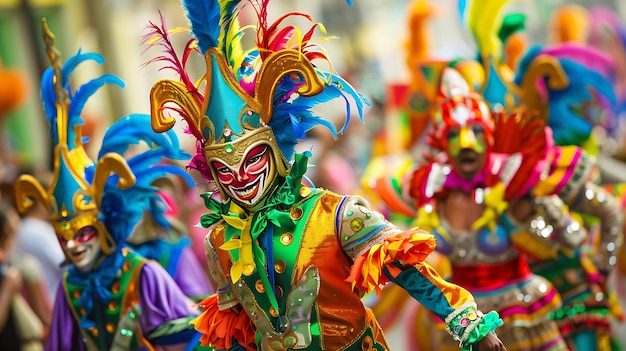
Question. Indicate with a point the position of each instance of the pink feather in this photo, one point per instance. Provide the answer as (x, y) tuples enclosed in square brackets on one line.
[(590, 57)]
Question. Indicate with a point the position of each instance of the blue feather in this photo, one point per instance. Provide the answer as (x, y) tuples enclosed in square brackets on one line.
[(292, 118), (339, 87), (84, 92), (133, 129), (49, 98), (298, 131), (70, 65), (461, 5), (76, 101), (145, 166), (153, 156), (204, 16)]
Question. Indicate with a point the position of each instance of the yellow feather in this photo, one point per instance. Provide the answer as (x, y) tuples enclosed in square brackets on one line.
[(484, 20), (232, 38), (179, 30)]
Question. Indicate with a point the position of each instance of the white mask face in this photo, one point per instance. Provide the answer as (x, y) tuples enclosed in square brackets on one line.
[(84, 249)]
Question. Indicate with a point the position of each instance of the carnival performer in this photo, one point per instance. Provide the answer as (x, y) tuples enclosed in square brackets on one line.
[(110, 298), (155, 238), (292, 261), (568, 84), (477, 193)]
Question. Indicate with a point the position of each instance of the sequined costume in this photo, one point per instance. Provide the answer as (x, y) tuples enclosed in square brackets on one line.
[(110, 298), (519, 161), (336, 237), (567, 85), (292, 261), (589, 304)]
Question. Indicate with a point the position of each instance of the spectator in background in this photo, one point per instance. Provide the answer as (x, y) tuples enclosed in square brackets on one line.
[(10, 285), (20, 329), (36, 237)]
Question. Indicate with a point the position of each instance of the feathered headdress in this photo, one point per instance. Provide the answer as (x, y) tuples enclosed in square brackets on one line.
[(263, 94), (459, 107), (552, 82), (111, 192)]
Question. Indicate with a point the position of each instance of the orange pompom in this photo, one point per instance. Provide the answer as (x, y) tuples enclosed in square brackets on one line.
[(514, 48), (13, 89), (570, 23)]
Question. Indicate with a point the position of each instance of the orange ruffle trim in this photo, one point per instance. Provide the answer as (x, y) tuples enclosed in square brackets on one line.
[(409, 248), (218, 328)]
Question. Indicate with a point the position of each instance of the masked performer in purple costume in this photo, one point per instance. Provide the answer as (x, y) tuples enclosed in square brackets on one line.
[(292, 261), (110, 298)]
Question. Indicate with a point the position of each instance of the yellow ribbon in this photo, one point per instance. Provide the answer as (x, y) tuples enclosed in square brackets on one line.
[(243, 244), (495, 206), (428, 220)]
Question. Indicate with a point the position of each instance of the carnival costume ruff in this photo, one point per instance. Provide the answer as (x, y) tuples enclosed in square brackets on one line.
[(120, 301), (292, 261)]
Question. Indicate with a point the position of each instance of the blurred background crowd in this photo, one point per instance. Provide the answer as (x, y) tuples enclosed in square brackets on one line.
[(370, 51)]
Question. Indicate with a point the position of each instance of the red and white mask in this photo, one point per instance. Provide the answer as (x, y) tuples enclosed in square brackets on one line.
[(248, 179)]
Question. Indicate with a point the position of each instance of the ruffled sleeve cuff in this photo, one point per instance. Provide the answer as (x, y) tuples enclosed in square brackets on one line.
[(468, 325), (409, 248), (224, 329)]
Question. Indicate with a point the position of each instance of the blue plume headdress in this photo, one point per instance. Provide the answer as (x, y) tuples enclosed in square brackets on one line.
[(264, 93), (586, 73), (111, 192)]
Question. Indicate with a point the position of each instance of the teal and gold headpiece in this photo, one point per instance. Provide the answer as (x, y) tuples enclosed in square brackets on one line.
[(72, 200), (261, 95)]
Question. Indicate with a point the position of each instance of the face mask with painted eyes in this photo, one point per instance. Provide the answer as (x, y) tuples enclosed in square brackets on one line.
[(470, 137), (467, 148), (83, 249), (251, 179)]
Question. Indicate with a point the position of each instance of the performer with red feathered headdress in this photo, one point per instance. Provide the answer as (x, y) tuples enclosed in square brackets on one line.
[(493, 194)]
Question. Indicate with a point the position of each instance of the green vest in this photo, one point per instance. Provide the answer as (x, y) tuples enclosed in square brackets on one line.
[(124, 293)]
